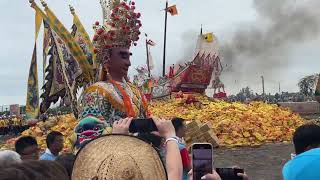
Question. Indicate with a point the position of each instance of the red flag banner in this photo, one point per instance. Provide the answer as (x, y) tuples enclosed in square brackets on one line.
[(173, 10)]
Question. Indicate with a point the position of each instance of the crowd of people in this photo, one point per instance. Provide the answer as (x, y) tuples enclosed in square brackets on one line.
[(124, 156), (27, 163), (12, 125)]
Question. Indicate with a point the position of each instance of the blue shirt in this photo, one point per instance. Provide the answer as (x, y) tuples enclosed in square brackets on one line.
[(47, 155), (304, 166)]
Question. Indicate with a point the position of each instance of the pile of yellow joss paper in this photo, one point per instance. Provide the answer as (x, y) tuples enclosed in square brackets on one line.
[(235, 124), (64, 124)]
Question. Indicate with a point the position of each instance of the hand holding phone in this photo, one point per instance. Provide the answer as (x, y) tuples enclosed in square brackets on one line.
[(142, 125), (229, 173), (121, 126), (202, 160), (165, 127)]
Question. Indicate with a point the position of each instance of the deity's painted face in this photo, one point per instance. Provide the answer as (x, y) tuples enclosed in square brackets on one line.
[(119, 62), (89, 128)]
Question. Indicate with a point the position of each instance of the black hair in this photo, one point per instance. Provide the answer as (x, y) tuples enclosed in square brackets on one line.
[(34, 170), (24, 142), (306, 136), (177, 123), (51, 137)]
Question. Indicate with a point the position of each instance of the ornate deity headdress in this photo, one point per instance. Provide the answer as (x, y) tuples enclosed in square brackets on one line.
[(120, 26)]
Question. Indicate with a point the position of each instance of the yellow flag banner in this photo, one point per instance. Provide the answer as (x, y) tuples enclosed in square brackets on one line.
[(38, 20), (74, 47), (39, 16), (82, 38), (32, 102)]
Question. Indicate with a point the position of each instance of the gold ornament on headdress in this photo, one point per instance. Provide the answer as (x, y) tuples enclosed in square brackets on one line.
[(120, 26)]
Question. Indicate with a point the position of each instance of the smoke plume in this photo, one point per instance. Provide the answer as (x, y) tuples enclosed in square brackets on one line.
[(265, 44), (264, 47), (188, 48)]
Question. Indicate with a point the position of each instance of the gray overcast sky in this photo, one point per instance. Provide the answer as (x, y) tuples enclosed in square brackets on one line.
[(219, 16)]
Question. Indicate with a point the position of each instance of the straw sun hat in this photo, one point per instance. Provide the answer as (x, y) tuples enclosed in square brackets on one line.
[(118, 157)]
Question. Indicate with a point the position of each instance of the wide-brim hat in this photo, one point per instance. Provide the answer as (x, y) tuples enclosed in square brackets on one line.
[(118, 157)]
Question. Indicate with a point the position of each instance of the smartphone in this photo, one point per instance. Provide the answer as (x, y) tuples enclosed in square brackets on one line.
[(202, 160), (142, 125), (229, 173)]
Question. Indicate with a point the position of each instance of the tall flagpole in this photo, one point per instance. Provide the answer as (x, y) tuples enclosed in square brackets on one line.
[(165, 40), (148, 62), (262, 78)]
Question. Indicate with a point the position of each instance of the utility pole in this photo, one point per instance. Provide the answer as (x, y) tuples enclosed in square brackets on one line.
[(279, 88), (165, 40), (262, 78), (148, 62)]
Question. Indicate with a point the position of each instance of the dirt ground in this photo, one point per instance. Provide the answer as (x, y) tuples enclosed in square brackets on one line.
[(260, 163)]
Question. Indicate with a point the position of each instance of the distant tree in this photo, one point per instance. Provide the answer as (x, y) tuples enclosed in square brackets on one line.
[(244, 94), (307, 84)]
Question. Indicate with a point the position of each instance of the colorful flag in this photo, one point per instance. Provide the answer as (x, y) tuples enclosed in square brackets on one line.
[(63, 74), (71, 70), (83, 39), (72, 45), (173, 10), (55, 86), (32, 102), (45, 51), (151, 43)]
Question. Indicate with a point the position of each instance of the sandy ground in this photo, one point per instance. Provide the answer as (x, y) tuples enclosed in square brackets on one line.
[(260, 163)]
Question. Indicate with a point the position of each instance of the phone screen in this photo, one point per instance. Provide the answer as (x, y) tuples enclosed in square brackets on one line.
[(201, 160)]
